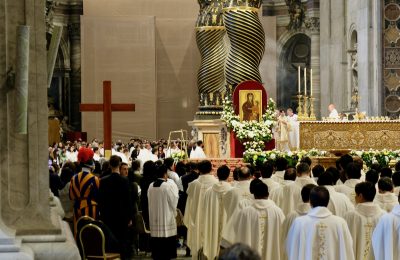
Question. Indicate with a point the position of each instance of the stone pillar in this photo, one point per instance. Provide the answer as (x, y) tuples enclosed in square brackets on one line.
[(75, 40), (24, 176)]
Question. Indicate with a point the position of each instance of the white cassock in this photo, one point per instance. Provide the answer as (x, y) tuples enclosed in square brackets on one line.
[(289, 196), (319, 235), (272, 185), (387, 201), (170, 151), (301, 210), (278, 177), (163, 201), (275, 193), (193, 212), (175, 177), (386, 236), (214, 218), (361, 223), (258, 226), (197, 153), (348, 189), (339, 204), (120, 155), (294, 132), (144, 156), (234, 196), (334, 114)]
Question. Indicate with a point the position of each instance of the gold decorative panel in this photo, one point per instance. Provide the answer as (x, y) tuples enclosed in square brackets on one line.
[(211, 144), (350, 135), (392, 81)]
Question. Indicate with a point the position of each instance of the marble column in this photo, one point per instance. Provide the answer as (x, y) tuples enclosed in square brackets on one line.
[(312, 25), (29, 228), (75, 40)]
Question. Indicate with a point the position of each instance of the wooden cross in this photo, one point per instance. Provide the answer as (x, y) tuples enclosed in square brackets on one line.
[(107, 108)]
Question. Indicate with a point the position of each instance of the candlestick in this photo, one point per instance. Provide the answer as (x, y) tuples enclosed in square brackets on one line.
[(311, 88), (312, 112), (305, 82), (300, 114), (299, 78)]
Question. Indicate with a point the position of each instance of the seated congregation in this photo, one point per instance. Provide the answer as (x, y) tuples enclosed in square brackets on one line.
[(272, 210)]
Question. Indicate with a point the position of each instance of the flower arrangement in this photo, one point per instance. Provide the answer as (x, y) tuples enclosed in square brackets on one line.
[(252, 134), (179, 156), (382, 157), (258, 158)]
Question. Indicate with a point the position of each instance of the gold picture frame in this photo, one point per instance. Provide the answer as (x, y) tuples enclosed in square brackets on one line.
[(250, 105)]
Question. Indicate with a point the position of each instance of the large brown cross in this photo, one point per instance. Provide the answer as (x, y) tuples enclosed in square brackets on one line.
[(107, 108)]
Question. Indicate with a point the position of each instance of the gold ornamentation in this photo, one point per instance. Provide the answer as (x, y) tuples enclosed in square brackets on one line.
[(392, 81), (377, 135), (369, 227), (321, 229), (392, 34)]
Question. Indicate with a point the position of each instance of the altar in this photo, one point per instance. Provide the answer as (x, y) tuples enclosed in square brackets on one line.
[(355, 135)]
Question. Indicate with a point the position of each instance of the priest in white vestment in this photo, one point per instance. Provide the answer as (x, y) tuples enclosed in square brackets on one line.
[(163, 200), (282, 133), (194, 211), (281, 165), (241, 191), (386, 198), (169, 162), (289, 178), (214, 213), (257, 225), (339, 204), (289, 196), (333, 113), (319, 234), (353, 173), (363, 219), (267, 169), (301, 210), (197, 151), (386, 236), (294, 139)]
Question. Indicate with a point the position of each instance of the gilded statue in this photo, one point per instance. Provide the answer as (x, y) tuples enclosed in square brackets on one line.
[(296, 13), (249, 3)]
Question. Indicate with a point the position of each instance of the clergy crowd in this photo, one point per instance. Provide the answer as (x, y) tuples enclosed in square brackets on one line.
[(273, 210)]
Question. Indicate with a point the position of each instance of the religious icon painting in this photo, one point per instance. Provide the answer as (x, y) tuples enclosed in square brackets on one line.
[(250, 104)]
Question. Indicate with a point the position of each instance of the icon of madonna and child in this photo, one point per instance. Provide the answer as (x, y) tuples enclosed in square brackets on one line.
[(251, 105)]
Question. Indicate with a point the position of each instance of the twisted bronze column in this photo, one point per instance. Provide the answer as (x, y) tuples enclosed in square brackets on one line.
[(247, 41), (210, 33)]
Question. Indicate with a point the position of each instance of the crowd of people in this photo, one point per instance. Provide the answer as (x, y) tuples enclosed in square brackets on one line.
[(278, 211)]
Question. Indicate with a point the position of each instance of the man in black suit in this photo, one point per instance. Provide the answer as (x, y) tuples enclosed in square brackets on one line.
[(115, 204)]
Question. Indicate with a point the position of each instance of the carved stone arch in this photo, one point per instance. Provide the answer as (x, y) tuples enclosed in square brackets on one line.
[(64, 51), (293, 49)]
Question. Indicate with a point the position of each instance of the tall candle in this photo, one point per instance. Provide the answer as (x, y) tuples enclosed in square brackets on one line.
[(311, 83), (299, 78), (305, 81)]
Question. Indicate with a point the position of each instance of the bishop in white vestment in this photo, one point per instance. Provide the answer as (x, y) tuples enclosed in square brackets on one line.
[(319, 234), (257, 225), (363, 220), (386, 236), (194, 211), (294, 139), (214, 213)]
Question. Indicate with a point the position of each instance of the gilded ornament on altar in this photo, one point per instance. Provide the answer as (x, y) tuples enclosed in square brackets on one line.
[(350, 135), (392, 34), (392, 81), (247, 41)]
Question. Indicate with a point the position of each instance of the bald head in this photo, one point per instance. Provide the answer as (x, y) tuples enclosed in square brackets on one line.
[(331, 107)]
